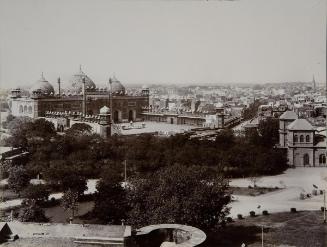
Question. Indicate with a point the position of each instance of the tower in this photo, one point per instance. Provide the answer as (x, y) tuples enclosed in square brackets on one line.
[(59, 90), (105, 125), (314, 83), (84, 97)]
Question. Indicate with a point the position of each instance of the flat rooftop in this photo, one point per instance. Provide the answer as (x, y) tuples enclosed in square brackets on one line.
[(150, 127), (50, 234)]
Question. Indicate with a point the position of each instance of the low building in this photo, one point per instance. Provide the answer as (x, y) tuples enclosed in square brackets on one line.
[(71, 235), (305, 144)]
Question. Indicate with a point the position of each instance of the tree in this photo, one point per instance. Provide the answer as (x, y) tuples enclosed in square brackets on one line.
[(69, 201), (32, 212), (110, 203), (39, 193), (268, 131), (18, 178), (251, 111), (178, 194), (74, 183), (79, 129)]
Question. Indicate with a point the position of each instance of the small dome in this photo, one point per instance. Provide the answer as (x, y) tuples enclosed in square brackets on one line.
[(117, 87), (105, 110), (42, 86), (76, 82)]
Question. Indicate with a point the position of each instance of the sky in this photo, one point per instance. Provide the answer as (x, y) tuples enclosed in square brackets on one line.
[(189, 42)]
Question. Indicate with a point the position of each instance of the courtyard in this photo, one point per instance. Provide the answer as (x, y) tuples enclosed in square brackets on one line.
[(292, 183)]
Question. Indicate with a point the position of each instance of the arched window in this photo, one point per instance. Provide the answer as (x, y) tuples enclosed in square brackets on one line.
[(307, 138), (296, 138), (30, 109), (21, 109), (25, 108), (301, 138), (322, 159)]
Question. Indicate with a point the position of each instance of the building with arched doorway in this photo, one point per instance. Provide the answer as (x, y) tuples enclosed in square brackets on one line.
[(305, 144), (80, 95)]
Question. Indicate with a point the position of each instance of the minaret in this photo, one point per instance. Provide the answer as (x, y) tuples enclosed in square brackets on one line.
[(314, 83), (84, 97), (59, 91)]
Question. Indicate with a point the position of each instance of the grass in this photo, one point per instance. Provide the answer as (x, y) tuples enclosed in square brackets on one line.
[(58, 215), (300, 229), (253, 191)]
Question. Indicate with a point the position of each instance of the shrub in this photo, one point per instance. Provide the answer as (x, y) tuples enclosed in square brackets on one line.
[(321, 192), (265, 212), (252, 213), (293, 210), (229, 219), (250, 187), (322, 209), (314, 192), (302, 196), (240, 216), (223, 223)]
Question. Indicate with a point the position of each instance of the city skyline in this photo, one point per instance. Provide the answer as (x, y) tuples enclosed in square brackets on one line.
[(152, 42)]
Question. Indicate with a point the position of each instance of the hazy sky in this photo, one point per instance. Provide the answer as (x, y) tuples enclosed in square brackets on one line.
[(163, 41)]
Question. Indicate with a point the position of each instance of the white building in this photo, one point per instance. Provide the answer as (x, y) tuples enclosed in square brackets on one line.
[(306, 146)]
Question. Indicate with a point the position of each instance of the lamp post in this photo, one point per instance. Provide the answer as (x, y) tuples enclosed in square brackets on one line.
[(262, 236), (324, 206), (111, 106)]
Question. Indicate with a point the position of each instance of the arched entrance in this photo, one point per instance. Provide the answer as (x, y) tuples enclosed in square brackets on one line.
[(131, 115), (116, 116), (306, 161)]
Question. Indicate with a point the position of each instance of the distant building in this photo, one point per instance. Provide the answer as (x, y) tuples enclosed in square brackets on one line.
[(82, 96), (305, 144)]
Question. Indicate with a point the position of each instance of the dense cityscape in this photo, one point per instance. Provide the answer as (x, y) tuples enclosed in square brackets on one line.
[(163, 123)]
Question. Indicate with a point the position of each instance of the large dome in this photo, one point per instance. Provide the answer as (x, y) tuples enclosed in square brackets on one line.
[(117, 87), (42, 87), (76, 82)]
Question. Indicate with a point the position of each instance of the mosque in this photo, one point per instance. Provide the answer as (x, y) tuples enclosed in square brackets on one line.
[(82, 97)]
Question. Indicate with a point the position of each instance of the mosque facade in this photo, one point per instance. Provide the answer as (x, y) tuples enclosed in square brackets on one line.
[(81, 97)]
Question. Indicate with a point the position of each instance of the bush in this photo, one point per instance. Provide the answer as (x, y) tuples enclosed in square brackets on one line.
[(240, 216), (223, 223), (250, 187), (302, 196), (252, 213), (293, 210), (322, 209), (321, 192), (265, 212), (229, 219), (314, 192)]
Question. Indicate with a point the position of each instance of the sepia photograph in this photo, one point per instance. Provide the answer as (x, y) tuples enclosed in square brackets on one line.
[(161, 123)]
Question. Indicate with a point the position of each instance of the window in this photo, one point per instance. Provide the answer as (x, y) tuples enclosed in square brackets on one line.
[(20, 108), (322, 159), (296, 139), (30, 109), (25, 108), (307, 138), (301, 138)]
